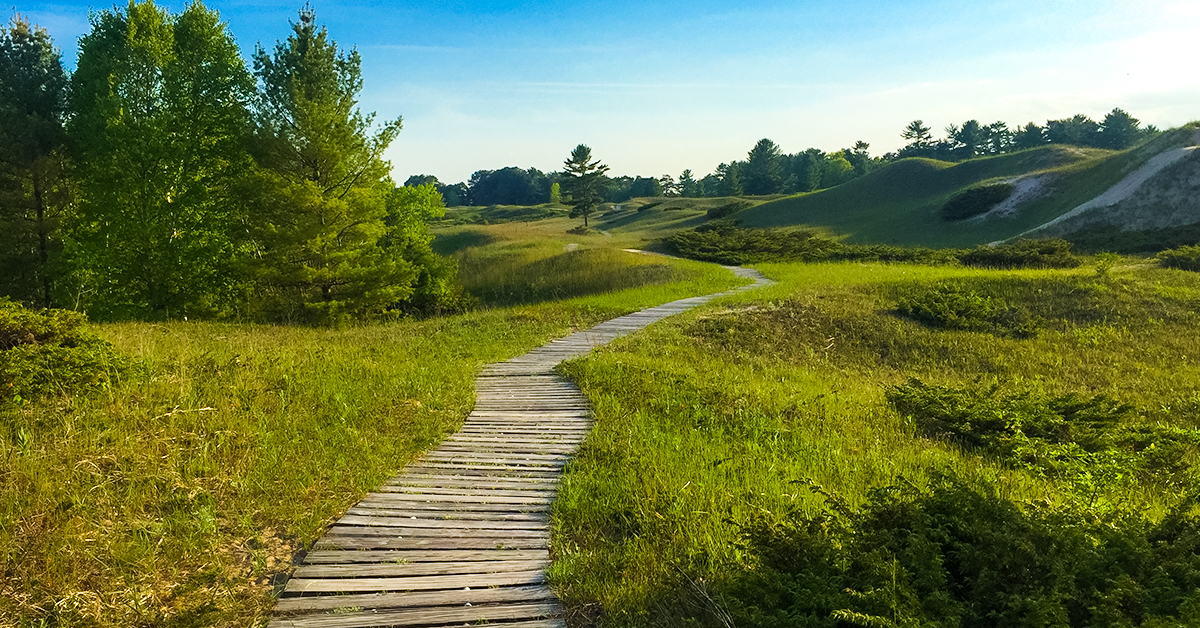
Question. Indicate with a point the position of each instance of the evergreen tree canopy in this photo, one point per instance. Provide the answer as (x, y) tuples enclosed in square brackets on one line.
[(320, 198), (33, 188), (763, 171), (1119, 130), (583, 185)]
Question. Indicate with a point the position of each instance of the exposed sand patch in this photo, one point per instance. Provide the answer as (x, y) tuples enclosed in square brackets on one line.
[(1125, 188), (1025, 189)]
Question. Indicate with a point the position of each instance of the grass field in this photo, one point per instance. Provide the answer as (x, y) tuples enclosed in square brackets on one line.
[(179, 496), (710, 428)]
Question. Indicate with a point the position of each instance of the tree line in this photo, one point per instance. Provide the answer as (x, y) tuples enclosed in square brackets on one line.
[(165, 179), (767, 170), (1117, 131)]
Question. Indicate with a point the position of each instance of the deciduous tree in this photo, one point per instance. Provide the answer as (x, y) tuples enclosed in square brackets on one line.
[(159, 127)]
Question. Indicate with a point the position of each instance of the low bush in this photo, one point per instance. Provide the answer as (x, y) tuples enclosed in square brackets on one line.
[(953, 555), (952, 307), (722, 241), (1184, 257), (1024, 253), (975, 201), (1082, 439), (48, 352), (721, 211)]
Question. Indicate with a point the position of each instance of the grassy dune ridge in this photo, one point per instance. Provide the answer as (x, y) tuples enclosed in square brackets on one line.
[(900, 203), (711, 426), (178, 496)]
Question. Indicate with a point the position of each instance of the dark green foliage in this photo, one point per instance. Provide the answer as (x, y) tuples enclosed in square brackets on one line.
[(763, 170), (1184, 257), (956, 556), (1087, 440), (976, 200), (34, 188), (723, 242), (727, 209), (1110, 237), (953, 307), (1024, 253), (726, 244), (48, 352), (508, 186)]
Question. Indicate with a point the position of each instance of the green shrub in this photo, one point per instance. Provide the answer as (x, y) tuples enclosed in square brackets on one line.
[(48, 352), (951, 307), (722, 211), (1083, 439), (722, 241), (953, 556), (1024, 253), (1184, 257), (975, 201)]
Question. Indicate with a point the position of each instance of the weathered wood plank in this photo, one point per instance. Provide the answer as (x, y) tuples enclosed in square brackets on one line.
[(297, 586), (421, 617), (495, 516), (418, 556), (359, 570), (389, 501), (385, 601), (338, 531), (433, 543)]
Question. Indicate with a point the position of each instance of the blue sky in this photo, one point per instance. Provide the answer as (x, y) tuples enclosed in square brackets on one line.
[(655, 88)]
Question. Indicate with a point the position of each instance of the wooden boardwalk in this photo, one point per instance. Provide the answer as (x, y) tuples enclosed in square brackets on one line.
[(461, 536)]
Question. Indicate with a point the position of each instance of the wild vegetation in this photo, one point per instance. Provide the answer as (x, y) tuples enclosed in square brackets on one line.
[(174, 480), (823, 452)]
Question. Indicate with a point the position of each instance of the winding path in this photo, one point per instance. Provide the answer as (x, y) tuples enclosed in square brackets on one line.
[(461, 536)]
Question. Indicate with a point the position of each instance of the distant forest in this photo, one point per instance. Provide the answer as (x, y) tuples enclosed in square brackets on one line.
[(767, 170), (164, 179)]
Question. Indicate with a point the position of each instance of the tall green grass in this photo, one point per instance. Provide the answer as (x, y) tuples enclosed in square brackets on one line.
[(178, 496), (713, 426)]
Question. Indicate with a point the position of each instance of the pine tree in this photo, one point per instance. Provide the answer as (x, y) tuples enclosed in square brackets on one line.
[(319, 204), (34, 190), (763, 171), (583, 183)]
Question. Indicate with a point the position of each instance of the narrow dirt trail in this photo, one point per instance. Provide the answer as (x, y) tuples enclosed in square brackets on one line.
[(461, 535)]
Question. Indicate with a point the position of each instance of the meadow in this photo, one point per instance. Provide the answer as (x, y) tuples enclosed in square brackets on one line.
[(774, 460), (180, 493), (845, 447)]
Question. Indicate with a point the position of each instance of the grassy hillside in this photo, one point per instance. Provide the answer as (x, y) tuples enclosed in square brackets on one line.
[(900, 203)]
